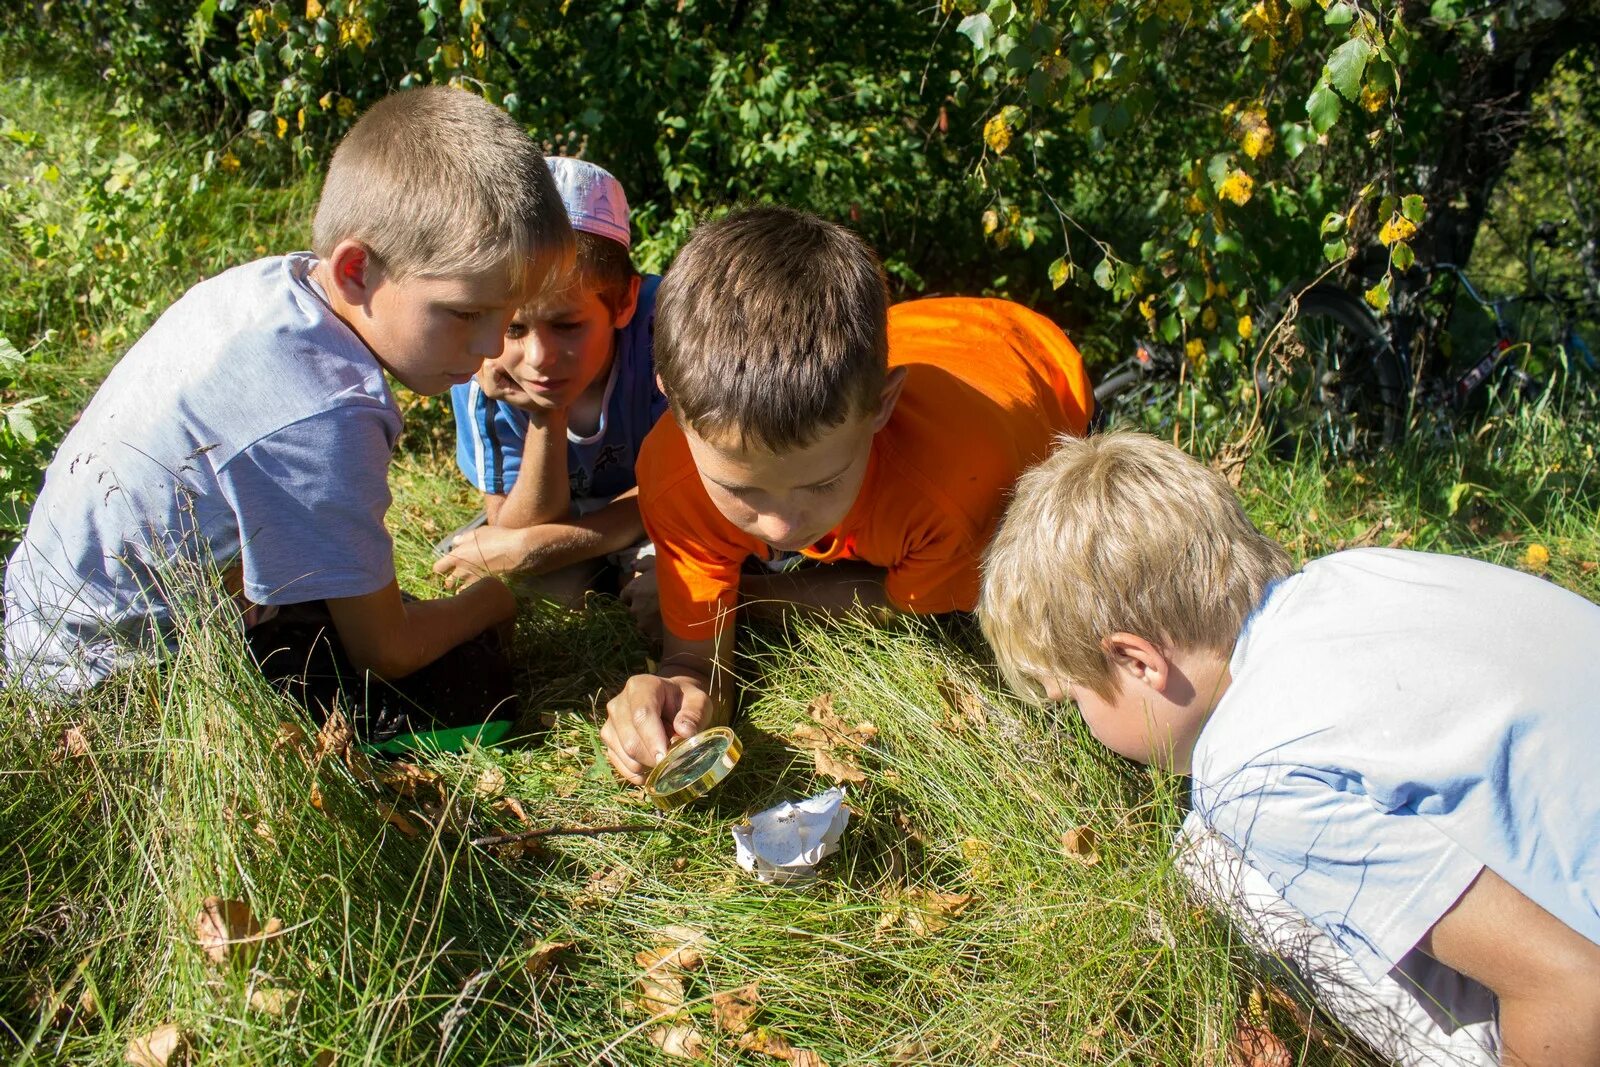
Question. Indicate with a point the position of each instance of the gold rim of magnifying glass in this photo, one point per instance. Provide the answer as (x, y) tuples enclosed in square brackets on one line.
[(701, 785)]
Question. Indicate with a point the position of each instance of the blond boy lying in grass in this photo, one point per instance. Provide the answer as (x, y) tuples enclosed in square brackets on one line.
[(1390, 751)]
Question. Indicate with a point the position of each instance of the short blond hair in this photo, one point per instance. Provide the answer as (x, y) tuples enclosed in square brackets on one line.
[(439, 183), (1114, 533)]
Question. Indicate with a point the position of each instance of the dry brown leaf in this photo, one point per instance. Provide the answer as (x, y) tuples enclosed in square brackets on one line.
[(74, 743), (334, 737), (513, 807), (1256, 1046), (911, 1053), (965, 702), (928, 911), (1588, 566), (679, 948), (544, 956), (822, 713), (804, 1057), (840, 770), (732, 1010), (398, 819), (767, 1043), (291, 735), (1081, 845), (491, 783), (325, 1058), (680, 1042), (316, 797), (165, 1046), (408, 779), (227, 930), (603, 887), (273, 1002), (660, 994)]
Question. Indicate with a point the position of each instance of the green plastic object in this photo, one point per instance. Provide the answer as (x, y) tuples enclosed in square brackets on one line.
[(453, 739)]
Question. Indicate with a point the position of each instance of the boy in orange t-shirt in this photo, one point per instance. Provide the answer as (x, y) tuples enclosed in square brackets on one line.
[(811, 420)]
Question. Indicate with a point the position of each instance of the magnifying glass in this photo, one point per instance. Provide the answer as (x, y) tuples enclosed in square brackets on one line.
[(693, 767)]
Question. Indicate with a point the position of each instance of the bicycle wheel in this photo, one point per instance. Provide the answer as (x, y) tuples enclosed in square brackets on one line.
[(1330, 377)]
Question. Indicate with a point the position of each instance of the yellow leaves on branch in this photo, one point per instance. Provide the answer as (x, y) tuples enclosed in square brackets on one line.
[(1398, 228), (1255, 134), (1237, 187), (997, 131)]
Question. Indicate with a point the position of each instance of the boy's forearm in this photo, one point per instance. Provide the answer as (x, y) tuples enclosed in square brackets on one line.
[(391, 637), (553, 545), (829, 589), (541, 492)]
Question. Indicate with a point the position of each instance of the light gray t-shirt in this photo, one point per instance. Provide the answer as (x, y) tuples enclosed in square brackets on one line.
[(1397, 721), (248, 427)]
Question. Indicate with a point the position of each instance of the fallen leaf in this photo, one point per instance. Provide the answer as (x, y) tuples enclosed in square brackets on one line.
[(227, 930), (767, 1043), (325, 1058), (930, 911), (1255, 1046), (491, 783), (273, 1002), (603, 887), (1080, 845), (822, 713), (316, 797), (660, 995), (732, 1010), (165, 1046), (74, 743), (334, 737), (398, 819), (804, 1057), (965, 702), (407, 779), (840, 770), (513, 807), (1588, 566), (977, 853), (911, 1053), (677, 948), (544, 956), (681, 1042), (291, 735)]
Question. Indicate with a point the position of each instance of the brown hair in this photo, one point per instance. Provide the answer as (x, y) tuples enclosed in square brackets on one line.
[(772, 325), (604, 267), (1119, 533), (438, 182)]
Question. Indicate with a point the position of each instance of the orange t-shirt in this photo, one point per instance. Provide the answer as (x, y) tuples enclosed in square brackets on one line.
[(989, 385)]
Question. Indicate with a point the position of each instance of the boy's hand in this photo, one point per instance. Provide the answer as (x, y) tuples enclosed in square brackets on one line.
[(642, 598), (488, 550), (647, 717)]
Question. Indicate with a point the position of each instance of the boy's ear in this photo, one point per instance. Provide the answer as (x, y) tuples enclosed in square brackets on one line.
[(354, 272), (628, 305), (893, 383), (1137, 660)]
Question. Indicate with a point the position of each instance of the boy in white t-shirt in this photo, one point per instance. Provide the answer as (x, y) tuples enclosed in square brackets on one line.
[(251, 428), (1390, 751)]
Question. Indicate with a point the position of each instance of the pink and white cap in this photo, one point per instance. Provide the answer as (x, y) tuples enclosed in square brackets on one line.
[(594, 199)]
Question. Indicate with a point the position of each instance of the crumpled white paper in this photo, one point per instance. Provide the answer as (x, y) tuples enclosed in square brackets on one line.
[(785, 843)]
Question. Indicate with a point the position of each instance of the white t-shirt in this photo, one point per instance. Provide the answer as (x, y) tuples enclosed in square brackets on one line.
[(249, 427), (1398, 721)]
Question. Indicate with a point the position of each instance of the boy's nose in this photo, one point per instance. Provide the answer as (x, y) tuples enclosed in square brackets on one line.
[(778, 529)]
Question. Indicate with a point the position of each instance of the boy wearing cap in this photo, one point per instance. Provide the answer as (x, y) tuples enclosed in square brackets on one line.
[(549, 432)]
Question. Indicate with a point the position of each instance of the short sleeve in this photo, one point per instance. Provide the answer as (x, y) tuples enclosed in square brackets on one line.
[(939, 577), (1373, 881), (489, 439), (697, 580), (310, 500)]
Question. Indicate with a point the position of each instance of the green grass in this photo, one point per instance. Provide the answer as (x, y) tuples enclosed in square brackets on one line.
[(399, 949)]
